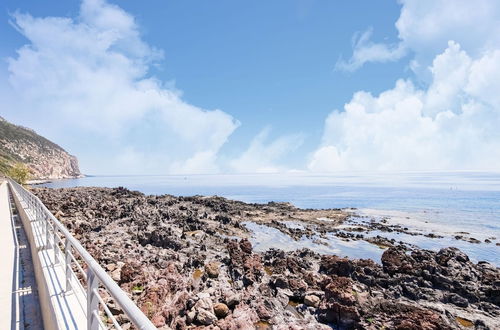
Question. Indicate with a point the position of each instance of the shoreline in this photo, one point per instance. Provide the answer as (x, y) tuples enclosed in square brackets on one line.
[(201, 243), (36, 182)]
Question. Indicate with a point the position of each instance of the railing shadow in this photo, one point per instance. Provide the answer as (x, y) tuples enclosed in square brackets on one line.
[(25, 308)]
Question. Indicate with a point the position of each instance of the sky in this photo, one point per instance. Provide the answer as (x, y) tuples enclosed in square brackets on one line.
[(175, 87)]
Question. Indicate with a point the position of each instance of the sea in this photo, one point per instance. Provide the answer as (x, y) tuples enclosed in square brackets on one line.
[(447, 204)]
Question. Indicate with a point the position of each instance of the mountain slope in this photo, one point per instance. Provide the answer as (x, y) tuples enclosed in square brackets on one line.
[(45, 159)]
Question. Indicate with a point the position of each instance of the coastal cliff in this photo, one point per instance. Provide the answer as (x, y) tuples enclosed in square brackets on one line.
[(44, 159)]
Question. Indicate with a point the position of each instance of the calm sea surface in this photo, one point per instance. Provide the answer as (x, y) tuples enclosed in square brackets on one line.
[(441, 202)]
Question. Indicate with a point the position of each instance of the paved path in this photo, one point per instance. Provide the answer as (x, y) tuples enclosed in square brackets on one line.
[(19, 306)]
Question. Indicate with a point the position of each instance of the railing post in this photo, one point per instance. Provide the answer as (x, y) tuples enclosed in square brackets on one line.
[(47, 232), (56, 246), (67, 257), (92, 301)]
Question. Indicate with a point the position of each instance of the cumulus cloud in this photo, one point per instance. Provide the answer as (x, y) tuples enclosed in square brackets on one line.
[(452, 124), (425, 26), (263, 156), (87, 77)]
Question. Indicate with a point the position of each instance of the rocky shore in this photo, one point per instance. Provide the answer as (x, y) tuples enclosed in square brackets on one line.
[(188, 263)]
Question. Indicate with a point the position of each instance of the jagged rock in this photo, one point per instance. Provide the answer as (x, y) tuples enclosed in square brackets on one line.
[(312, 300), (233, 300), (205, 317), (164, 258)]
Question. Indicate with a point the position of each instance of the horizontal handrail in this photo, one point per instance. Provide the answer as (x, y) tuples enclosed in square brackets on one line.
[(95, 273)]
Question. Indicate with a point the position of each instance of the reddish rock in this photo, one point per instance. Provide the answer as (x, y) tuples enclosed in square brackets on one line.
[(333, 265), (246, 246)]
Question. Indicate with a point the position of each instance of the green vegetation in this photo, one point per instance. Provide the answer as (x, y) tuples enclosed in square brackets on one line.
[(137, 289), (4, 165), (19, 172)]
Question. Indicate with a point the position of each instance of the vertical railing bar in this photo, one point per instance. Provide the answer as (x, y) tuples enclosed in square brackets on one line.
[(47, 232), (67, 255), (107, 310), (56, 245), (92, 301)]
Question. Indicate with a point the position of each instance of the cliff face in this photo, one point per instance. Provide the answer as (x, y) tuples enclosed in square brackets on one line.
[(45, 159)]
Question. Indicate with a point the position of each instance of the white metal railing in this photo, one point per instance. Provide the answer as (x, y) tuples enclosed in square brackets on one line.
[(89, 275)]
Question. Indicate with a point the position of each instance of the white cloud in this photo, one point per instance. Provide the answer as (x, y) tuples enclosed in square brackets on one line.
[(88, 79), (451, 124), (425, 26), (262, 156), (364, 50)]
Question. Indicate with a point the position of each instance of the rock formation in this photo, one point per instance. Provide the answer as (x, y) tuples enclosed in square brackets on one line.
[(187, 263), (45, 159)]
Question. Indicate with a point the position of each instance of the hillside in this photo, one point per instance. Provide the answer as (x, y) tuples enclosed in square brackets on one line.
[(45, 159)]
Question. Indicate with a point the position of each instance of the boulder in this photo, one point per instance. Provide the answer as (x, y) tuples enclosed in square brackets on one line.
[(311, 300), (221, 310)]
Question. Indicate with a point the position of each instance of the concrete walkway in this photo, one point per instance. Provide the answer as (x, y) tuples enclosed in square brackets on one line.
[(19, 306)]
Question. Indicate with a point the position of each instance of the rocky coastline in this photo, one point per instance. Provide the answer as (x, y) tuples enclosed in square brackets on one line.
[(188, 263)]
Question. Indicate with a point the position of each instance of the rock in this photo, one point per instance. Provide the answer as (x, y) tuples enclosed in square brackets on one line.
[(116, 275), (205, 317), (203, 295), (44, 159), (396, 260), (212, 269), (280, 282), (337, 266), (190, 316), (233, 300), (221, 310), (457, 300), (283, 289), (312, 301), (158, 321), (204, 303), (263, 312), (246, 246)]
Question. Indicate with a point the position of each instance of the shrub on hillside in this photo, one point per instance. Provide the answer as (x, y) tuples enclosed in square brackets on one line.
[(20, 173)]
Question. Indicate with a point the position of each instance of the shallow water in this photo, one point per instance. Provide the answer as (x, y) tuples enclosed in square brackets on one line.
[(440, 202), (264, 238)]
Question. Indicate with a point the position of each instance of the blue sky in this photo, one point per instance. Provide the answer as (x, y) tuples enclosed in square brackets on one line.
[(273, 69)]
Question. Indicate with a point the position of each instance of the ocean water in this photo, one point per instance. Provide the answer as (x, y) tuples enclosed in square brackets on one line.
[(445, 203)]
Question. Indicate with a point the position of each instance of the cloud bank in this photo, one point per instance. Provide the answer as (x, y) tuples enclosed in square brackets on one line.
[(424, 28), (88, 77), (450, 123), (262, 156)]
